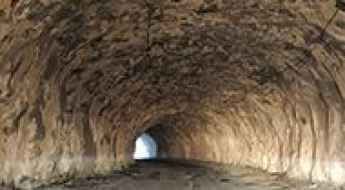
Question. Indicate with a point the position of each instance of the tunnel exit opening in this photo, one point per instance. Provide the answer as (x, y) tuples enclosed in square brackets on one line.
[(145, 148)]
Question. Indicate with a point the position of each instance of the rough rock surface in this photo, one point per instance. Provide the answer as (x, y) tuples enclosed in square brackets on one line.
[(242, 82)]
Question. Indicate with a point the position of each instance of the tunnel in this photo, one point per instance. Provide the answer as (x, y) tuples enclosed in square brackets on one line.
[(254, 83)]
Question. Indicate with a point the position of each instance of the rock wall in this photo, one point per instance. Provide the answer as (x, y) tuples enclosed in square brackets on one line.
[(248, 83)]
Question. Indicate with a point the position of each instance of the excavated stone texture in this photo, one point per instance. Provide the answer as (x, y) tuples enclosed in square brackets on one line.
[(241, 82)]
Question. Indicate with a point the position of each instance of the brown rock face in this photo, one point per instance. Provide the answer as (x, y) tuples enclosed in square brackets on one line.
[(241, 82)]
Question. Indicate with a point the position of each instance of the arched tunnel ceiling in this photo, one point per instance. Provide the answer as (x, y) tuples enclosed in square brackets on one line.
[(248, 83)]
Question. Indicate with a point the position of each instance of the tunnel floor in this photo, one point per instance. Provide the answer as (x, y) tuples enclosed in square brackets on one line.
[(183, 175)]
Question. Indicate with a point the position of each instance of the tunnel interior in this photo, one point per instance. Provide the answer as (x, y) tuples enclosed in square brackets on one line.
[(257, 84)]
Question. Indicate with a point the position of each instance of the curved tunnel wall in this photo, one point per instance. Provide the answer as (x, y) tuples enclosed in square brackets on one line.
[(242, 83)]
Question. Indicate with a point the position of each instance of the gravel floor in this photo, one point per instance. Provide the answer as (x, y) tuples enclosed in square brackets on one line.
[(178, 175)]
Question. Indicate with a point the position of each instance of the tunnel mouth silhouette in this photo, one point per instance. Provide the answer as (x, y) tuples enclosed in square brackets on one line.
[(145, 148)]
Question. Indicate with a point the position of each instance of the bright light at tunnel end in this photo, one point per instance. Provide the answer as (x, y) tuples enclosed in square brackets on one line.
[(145, 148)]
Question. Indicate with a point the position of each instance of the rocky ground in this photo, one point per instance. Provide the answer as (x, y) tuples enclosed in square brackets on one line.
[(167, 175)]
